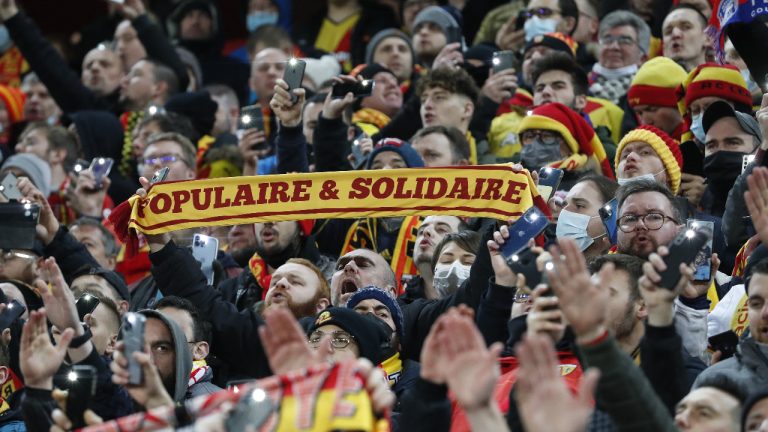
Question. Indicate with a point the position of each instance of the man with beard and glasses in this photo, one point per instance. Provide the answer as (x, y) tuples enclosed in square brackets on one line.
[(273, 245), (297, 285)]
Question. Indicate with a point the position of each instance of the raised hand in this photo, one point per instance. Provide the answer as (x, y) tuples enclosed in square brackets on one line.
[(39, 358), (289, 113), (544, 401), (504, 274), (150, 393), (86, 199), (692, 188), (57, 297), (450, 56), (131, 8), (507, 38), (545, 317), (333, 107), (582, 302), (469, 368), (500, 86), (286, 345), (47, 225)]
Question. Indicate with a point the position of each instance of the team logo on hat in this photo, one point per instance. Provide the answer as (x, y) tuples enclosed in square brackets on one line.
[(323, 317)]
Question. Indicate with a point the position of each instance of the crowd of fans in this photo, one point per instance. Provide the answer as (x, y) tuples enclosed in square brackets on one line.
[(634, 101)]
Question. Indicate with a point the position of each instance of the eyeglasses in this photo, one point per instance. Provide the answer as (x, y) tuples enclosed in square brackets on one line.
[(339, 339), (11, 254), (541, 12), (651, 221), (545, 136), (161, 160), (623, 41)]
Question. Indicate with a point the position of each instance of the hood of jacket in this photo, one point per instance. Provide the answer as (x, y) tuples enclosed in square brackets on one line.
[(183, 355), (100, 134)]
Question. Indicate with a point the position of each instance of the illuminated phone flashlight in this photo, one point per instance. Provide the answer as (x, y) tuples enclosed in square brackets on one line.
[(515, 258), (292, 62), (529, 112), (78, 168), (259, 395), (246, 119), (101, 161), (496, 61), (690, 233), (750, 158), (72, 376), (534, 216), (549, 266)]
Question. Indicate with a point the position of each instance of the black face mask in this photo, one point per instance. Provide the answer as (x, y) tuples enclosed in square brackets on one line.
[(721, 170), (478, 73)]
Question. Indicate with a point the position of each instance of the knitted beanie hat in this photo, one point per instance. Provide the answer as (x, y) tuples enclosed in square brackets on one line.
[(556, 40), (376, 293), (656, 83), (711, 79), (380, 36), (438, 16), (38, 170), (578, 134), (403, 148), (665, 147), (13, 99)]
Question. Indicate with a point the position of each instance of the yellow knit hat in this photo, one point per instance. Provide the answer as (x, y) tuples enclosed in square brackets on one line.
[(665, 147), (656, 83)]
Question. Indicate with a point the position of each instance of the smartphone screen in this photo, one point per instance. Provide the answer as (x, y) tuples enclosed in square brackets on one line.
[(532, 223), (204, 249), (132, 334), (703, 259), (160, 175), (608, 214), (549, 180), (13, 310), (17, 225)]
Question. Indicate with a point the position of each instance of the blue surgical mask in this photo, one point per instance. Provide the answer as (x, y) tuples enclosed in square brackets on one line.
[(574, 226), (258, 19), (5, 39), (535, 26), (697, 128)]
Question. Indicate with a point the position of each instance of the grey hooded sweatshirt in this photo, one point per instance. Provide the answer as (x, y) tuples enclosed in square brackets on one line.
[(183, 355)]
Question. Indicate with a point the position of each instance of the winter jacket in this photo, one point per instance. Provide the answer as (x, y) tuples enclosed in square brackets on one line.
[(204, 386), (748, 367), (623, 390)]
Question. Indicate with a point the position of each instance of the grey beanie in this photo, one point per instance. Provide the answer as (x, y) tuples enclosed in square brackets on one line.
[(437, 15), (380, 36), (38, 170)]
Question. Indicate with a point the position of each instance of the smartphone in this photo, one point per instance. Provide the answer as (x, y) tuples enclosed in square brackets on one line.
[(725, 342), (13, 311), (204, 250), (100, 167), (359, 89), (524, 262), (132, 333), (683, 249), (745, 161), (703, 261), (80, 165), (522, 16), (250, 118), (502, 60), (86, 304), (252, 411), (160, 175), (294, 75), (17, 225), (453, 34), (82, 388), (532, 223), (608, 214), (357, 152), (8, 187), (693, 159), (549, 180)]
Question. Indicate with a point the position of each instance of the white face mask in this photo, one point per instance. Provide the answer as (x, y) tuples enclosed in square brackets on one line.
[(535, 26), (574, 225), (651, 177), (448, 278)]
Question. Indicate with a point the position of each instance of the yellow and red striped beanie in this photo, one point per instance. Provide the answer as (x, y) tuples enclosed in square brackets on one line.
[(656, 83), (665, 147), (13, 99), (576, 132), (710, 79)]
